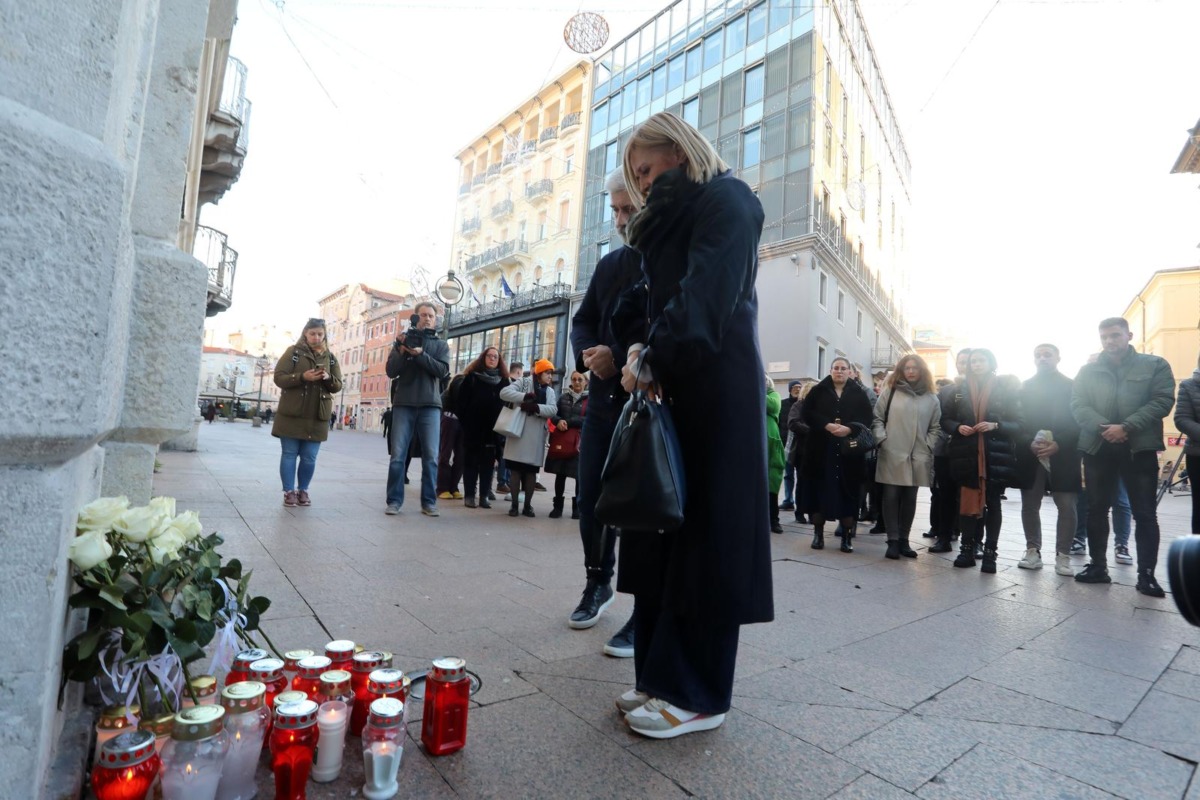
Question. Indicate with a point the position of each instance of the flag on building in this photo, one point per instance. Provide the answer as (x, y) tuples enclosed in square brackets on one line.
[(504, 287)]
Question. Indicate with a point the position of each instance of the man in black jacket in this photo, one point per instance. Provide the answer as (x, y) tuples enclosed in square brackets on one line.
[(1048, 459), (596, 349), (789, 471)]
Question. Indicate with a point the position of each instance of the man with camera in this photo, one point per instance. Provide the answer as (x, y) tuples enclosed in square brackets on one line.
[(1120, 402), (417, 365)]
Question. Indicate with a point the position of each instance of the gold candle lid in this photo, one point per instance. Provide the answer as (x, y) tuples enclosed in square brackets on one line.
[(161, 725), (203, 685), (239, 698), (335, 682), (114, 718), (198, 722), (291, 696)]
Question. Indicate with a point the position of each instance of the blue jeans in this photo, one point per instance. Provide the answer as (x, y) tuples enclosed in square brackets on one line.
[(306, 452), (789, 483), (426, 422), (1122, 517)]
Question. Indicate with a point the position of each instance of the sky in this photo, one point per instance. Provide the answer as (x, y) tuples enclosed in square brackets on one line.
[(1041, 134)]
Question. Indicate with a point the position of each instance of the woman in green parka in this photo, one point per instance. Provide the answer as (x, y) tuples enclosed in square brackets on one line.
[(775, 454), (309, 376)]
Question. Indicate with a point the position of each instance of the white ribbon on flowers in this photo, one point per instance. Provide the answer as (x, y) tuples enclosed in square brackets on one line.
[(226, 644), (125, 677)]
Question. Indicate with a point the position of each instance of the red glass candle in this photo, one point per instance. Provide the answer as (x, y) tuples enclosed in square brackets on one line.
[(380, 683), (240, 671), (126, 767), (290, 659), (269, 672), (447, 689), (364, 664), (293, 748), (341, 653), (308, 675), (335, 685)]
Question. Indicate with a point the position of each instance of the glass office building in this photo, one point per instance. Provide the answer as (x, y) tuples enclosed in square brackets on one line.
[(791, 95)]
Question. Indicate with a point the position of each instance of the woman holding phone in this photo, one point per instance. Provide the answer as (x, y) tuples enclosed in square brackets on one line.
[(309, 376)]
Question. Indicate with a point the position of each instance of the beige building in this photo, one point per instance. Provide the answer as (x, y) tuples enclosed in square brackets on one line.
[(516, 236), (263, 339)]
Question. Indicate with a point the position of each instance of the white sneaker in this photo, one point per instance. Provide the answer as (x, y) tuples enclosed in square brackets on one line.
[(658, 719), (631, 700), (1032, 560), (1062, 564)]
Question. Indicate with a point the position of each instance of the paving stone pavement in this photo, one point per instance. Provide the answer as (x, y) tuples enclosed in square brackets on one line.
[(878, 679)]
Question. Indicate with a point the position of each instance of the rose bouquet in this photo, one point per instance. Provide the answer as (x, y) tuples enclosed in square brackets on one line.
[(158, 594)]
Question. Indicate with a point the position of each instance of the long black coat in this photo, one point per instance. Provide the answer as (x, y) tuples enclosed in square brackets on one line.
[(798, 428), (477, 404), (999, 445), (821, 407), (700, 262), (1046, 406)]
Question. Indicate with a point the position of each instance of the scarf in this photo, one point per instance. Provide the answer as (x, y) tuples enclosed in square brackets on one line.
[(669, 197), (574, 395), (489, 375), (971, 501)]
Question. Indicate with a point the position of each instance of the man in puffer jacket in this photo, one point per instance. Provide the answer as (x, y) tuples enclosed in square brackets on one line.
[(1120, 402), (1187, 421)]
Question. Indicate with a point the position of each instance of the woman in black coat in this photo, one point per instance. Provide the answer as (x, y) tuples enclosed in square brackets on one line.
[(983, 418), (477, 405), (562, 458), (695, 317), (836, 408)]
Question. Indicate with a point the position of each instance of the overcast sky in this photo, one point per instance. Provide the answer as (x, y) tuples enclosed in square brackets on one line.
[(1041, 145)]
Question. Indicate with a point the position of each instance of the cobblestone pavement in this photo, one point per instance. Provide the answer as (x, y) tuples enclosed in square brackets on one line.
[(878, 679)]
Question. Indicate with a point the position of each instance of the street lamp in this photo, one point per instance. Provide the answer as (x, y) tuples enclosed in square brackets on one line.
[(261, 364), (450, 291)]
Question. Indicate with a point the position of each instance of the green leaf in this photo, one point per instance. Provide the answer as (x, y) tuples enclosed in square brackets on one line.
[(251, 619), (204, 608), (185, 629), (187, 651), (140, 623), (260, 604), (88, 599), (232, 570), (87, 642), (114, 594)]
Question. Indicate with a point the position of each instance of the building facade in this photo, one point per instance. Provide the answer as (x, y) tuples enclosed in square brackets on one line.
[(344, 311), (516, 235), (382, 324), (228, 374), (793, 99)]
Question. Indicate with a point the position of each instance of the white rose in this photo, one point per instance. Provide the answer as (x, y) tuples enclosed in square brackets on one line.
[(99, 515), (188, 525), (165, 505), (89, 549), (139, 524), (165, 546)]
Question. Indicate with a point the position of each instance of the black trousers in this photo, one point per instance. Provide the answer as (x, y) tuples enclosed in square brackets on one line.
[(480, 463), (1139, 473), (989, 524), (946, 505), (599, 546), (899, 508), (450, 454), (686, 661)]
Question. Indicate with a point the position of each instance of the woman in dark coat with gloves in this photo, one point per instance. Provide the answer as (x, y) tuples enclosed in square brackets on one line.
[(698, 235), (834, 409), (983, 418), (562, 458), (477, 404)]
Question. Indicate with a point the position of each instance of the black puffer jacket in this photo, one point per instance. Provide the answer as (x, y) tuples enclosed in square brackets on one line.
[(798, 429), (999, 445), (1187, 414)]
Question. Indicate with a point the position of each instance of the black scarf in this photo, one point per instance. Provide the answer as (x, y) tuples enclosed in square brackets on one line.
[(488, 375), (670, 196)]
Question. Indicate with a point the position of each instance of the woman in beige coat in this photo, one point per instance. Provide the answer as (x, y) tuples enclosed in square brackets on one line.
[(907, 423)]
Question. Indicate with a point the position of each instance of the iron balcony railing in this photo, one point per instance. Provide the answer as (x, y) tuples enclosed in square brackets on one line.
[(502, 209), (549, 134), (233, 91), (539, 189), (493, 171), (510, 160), (464, 188), (833, 240), (537, 295), (570, 120), (243, 138), (477, 181), (470, 226), (212, 248), (885, 357), (497, 254), (528, 147)]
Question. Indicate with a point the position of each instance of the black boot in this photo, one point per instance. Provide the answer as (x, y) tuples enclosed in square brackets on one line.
[(818, 542), (1147, 585), (516, 509), (989, 561), (773, 505), (942, 545), (893, 550), (528, 512), (906, 549), (557, 510), (966, 550), (484, 502), (846, 546), (574, 508)]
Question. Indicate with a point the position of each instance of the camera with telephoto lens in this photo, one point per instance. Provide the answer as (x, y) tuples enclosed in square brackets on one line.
[(1183, 573), (414, 337)]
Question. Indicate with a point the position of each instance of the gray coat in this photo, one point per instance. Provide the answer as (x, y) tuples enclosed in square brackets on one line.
[(529, 449), (908, 440)]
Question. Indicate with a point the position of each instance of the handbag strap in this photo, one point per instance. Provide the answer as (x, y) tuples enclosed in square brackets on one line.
[(887, 409)]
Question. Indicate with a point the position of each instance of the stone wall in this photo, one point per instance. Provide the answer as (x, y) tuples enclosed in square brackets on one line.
[(104, 313)]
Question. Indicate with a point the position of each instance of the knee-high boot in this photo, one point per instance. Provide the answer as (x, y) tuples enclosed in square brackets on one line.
[(966, 549)]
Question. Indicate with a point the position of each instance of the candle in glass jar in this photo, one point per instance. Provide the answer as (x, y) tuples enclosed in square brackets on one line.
[(269, 672), (341, 653), (444, 721), (364, 664), (161, 727), (290, 696), (383, 746), (126, 767), (246, 719), (380, 683), (204, 687), (195, 756), (308, 675), (290, 659), (115, 720), (240, 671), (332, 721), (293, 743)]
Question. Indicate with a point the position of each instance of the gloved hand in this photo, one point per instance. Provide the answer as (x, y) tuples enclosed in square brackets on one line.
[(530, 406)]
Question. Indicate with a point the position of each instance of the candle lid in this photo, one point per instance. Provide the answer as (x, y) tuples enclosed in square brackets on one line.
[(342, 649), (387, 659), (358, 648), (244, 659), (127, 749), (293, 716), (203, 685), (387, 712), (238, 698), (117, 717), (387, 681), (283, 698), (335, 682), (198, 722), (368, 660), (448, 669), (159, 726), (292, 657), (313, 666), (266, 669)]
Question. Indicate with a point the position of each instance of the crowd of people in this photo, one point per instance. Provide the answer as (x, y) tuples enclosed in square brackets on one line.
[(662, 314)]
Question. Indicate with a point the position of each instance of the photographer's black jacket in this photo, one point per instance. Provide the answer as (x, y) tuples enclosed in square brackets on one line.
[(418, 379)]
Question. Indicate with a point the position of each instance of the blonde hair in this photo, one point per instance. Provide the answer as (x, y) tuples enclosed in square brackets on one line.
[(664, 129)]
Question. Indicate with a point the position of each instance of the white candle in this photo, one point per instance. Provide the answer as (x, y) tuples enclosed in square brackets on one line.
[(237, 778), (332, 721), (190, 783), (381, 761)]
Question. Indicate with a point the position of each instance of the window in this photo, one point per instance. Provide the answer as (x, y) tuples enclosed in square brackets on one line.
[(828, 82), (751, 147), (660, 82), (735, 36), (845, 116), (845, 168), (858, 326), (756, 24), (754, 85), (564, 215), (841, 306), (568, 160), (820, 359), (825, 202), (691, 112), (712, 51), (602, 250), (643, 91), (822, 290), (829, 144), (692, 62), (610, 157), (541, 229)]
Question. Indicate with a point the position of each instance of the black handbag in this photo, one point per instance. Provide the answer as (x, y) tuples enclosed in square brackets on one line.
[(642, 484), (858, 444)]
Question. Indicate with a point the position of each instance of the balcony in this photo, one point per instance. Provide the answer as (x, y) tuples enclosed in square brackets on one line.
[(514, 251), (837, 248), (510, 160), (539, 190), (528, 147), (470, 227), (885, 357), (226, 135), (212, 249), (477, 181), (535, 296), (549, 134), (464, 188), (493, 171), (570, 121), (502, 209)]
